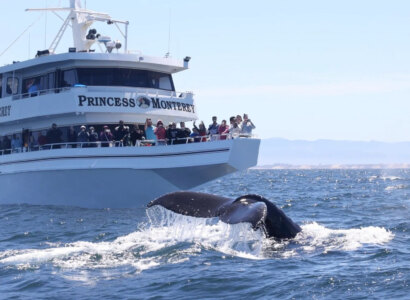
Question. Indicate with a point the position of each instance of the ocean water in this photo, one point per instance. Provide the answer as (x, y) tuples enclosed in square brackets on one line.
[(354, 244)]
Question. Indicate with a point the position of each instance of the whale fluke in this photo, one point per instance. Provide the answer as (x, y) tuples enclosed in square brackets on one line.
[(253, 209)]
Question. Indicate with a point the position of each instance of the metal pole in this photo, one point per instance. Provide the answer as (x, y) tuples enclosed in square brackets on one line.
[(126, 38)]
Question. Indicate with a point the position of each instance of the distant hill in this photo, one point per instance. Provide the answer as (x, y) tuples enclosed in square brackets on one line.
[(277, 151)]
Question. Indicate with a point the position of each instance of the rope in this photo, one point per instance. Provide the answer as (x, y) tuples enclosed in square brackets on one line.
[(32, 24)]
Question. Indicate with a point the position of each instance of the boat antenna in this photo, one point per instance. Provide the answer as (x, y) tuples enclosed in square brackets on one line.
[(45, 26), (168, 54), (25, 30)]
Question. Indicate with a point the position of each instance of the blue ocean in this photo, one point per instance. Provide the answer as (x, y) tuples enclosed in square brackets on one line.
[(354, 244)]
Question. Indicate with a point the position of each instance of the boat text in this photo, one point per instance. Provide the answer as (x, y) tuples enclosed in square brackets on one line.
[(5, 111), (142, 102)]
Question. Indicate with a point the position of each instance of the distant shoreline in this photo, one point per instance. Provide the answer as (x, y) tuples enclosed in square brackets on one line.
[(332, 167)]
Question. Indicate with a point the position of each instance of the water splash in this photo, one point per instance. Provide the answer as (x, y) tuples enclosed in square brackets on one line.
[(315, 237), (169, 238)]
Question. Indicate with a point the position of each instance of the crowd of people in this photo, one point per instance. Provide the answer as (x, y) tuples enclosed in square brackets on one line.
[(124, 135)]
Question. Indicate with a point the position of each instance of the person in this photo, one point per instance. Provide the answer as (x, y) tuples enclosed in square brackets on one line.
[(33, 143), (201, 131), (235, 130), (93, 137), (223, 130), (172, 133), (16, 143), (183, 133), (195, 134), (83, 137), (54, 136), (31, 87), (247, 125), (231, 121), (6, 144), (106, 136), (121, 134), (213, 129), (136, 135), (160, 133), (72, 137), (41, 139), (239, 121), (149, 131)]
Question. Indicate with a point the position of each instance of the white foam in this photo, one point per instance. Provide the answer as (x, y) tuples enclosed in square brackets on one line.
[(395, 187), (144, 249), (315, 237)]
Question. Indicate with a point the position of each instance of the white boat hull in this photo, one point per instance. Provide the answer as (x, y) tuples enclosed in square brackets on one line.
[(118, 177)]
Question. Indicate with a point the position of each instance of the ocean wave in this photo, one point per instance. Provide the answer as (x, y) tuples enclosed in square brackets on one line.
[(170, 238), (395, 187), (316, 237)]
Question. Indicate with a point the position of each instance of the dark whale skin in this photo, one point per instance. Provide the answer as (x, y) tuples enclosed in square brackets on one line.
[(254, 209)]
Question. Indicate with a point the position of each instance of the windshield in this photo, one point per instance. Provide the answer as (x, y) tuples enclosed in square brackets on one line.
[(122, 77)]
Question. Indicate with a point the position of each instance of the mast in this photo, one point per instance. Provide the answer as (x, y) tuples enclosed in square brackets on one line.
[(81, 21)]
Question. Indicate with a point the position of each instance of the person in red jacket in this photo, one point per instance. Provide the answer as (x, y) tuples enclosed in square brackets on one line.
[(161, 133), (223, 130)]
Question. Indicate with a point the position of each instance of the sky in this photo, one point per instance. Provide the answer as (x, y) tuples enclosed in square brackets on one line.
[(308, 70)]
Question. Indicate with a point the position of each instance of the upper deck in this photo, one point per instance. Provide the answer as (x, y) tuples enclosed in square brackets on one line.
[(75, 88)]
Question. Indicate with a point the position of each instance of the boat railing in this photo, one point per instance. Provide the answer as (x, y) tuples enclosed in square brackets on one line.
[(140, 91), (139, 143)]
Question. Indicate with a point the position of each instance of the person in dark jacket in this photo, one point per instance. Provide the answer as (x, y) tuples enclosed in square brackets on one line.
[(54, 136), (83, 137), (183, 133), (6, 144), (122, 134), (172, 133), (136, 135), (72, 137), (93, 137)]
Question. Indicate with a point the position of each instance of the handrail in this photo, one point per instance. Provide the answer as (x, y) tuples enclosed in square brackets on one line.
[(140, 143)]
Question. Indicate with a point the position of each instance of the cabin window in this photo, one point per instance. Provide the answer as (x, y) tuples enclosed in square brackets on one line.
[(69, 78), (12, 85), (31, 86), (51, 81), (124, 77), (1, 86)]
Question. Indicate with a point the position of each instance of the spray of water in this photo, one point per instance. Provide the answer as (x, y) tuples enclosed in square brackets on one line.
[(169, 238)]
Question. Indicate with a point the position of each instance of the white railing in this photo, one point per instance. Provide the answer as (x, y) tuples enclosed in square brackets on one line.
[(139, 143)]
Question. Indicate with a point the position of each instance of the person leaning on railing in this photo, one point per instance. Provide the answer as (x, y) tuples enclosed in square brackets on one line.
[(223, 130)]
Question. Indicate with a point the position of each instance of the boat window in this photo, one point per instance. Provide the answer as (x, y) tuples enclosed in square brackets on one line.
[(1, 86), (69, 78), (12, 85), (31, 86), (124, 77), (51, 81)]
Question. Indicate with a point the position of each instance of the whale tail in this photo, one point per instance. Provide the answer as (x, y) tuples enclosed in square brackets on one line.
[(253, 209)]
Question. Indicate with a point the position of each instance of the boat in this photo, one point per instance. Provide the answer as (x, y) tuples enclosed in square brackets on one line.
[(83, 87)]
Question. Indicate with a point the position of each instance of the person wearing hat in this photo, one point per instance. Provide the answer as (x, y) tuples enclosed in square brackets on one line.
[(172, 133), (93, 137), (161, 133), (83, 137), (106, 137)]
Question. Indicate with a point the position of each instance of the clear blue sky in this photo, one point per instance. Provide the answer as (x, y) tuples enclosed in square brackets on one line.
[(301, 69)]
